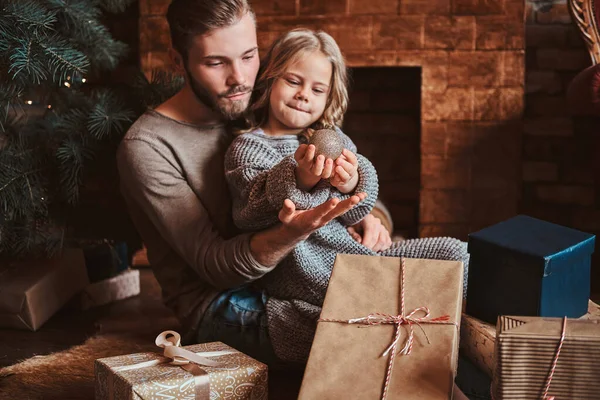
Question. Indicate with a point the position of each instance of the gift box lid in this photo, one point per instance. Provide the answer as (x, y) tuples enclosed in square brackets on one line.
[(549, 243)]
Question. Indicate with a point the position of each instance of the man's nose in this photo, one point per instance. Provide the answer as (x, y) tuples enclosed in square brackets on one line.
[(236, 76)]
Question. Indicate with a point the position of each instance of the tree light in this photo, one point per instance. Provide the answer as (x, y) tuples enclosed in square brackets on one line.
[(29, 102), (67, 84), (83, 80)]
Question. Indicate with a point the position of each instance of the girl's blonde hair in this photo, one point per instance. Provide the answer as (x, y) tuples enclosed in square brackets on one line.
[(285, 51)]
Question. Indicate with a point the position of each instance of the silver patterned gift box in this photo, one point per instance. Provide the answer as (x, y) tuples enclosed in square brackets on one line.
[(152, 376)]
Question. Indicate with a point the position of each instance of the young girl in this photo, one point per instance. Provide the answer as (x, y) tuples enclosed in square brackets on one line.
[(303, 86)]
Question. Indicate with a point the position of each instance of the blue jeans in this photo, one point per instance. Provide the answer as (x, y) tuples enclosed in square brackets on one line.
[(238, 318)]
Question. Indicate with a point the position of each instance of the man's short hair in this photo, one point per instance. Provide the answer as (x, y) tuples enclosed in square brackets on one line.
[(190, 18)]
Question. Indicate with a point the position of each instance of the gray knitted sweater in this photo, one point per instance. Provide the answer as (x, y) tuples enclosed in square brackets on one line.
[(260, 171)]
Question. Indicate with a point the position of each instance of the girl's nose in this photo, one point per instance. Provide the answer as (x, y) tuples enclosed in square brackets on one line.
[(301, 96)]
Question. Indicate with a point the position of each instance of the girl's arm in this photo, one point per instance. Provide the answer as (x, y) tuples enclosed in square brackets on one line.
[(367, 183), (260, 179)]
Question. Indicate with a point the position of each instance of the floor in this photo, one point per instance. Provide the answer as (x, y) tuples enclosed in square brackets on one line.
[(145, 312)]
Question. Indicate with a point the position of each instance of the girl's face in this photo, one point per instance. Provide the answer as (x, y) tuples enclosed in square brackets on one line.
[(299, 96)]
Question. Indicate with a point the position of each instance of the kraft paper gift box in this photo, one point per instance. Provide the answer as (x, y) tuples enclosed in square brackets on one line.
[(478, 338), (120, 287), (221, 373), (527, 348), (32, 291), (526, 266), (346, 359)]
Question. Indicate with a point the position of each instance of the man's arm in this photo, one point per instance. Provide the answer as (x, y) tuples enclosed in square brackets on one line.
[(154, 187)]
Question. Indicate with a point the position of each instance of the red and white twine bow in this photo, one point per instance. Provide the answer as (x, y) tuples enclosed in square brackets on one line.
[(410, 319), (397, 320)]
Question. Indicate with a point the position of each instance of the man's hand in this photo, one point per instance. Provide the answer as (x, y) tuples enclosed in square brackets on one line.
[(301, 223), (269, 247), (371, 233)]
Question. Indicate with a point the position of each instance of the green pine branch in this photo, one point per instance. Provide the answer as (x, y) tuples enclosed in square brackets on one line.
[(109, 116), (161, 86), (64, 60), (54, 133), (29, 15), (71, 156), (93, 37)]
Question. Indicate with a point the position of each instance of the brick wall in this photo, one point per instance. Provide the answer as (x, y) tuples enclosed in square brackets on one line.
[(384, 121), (557, 156), (471, 54), (556, 179)]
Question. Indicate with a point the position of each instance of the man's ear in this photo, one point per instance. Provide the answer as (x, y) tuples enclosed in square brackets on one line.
[(177, 61)]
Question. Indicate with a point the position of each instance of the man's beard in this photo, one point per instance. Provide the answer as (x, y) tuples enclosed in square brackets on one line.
[(232, 110)]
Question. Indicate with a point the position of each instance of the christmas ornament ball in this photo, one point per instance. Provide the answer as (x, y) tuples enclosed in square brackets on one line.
[(327, 142)]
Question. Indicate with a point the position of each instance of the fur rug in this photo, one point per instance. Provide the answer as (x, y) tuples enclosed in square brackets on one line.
[(67, 374)]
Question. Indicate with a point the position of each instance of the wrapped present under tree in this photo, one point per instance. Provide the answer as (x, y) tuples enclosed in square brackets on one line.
[(32, 291)]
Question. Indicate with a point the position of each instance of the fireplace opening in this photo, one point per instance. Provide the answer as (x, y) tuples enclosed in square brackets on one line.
[(384, 121)]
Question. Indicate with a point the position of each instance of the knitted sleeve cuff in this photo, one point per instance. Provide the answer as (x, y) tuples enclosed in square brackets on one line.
[(367, 183), (281, 185)]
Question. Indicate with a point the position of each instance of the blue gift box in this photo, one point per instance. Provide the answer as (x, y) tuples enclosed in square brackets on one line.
[(529, 267), (105, 259)]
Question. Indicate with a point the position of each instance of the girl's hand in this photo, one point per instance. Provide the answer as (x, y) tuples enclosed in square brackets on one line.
[(311, 169), (345, 174)]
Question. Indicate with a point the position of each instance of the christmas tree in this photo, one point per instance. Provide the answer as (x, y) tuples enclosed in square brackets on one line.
[(54, 117)]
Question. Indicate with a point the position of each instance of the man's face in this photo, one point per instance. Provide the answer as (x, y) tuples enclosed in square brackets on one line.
[(222, 67)]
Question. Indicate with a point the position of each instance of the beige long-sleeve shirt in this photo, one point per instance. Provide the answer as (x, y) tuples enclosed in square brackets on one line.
[(173, 182)]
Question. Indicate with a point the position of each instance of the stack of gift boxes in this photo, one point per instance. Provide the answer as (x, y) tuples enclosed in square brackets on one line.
[(529, 323)]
